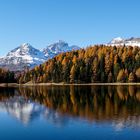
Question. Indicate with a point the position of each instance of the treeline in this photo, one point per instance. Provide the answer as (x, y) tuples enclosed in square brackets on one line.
[(94, 64), (6, 76)]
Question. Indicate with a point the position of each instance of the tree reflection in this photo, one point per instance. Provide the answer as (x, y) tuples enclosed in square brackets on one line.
[(93, 103), (90, 102)]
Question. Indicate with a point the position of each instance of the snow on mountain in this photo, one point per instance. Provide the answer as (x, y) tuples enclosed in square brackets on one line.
[(22, 56), (127, 42), (57, 48), (27, 56), (117, 40)]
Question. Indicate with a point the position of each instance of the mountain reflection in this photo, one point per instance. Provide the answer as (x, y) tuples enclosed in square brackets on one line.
[(25, 109), (21, 109), (119, 105)]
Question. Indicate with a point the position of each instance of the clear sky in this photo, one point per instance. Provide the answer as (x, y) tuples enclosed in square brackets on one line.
[(79, 22)]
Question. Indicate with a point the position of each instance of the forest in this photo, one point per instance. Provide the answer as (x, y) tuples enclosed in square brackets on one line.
[(95, 64), (7, 76)]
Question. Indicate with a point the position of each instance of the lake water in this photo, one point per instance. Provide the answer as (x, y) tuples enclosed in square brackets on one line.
[(70, 113)]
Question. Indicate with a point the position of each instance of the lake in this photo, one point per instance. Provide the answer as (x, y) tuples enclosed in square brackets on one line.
[(70, 113)]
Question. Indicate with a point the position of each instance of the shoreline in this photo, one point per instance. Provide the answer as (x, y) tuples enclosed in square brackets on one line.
[(66, 84)]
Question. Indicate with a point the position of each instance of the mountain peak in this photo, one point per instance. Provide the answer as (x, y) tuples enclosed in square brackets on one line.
[(21, 57), (61, 41), (25, 45), (23, 49), (116, 40), (57, 48), (127, 42)]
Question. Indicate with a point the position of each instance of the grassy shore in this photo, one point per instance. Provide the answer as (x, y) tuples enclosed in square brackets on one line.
[(61, 84), (46, 84), (9, 85)]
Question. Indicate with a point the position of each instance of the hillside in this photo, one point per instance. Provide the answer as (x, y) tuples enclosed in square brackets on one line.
[(98, 63)]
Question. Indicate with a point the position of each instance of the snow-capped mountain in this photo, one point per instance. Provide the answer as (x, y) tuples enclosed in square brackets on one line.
[(23, 56), (57, 48), (27, 56), (127, 42)]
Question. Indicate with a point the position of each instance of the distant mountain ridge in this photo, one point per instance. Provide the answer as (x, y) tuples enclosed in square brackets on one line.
[(58, 47), (27, 56), (127, 42)]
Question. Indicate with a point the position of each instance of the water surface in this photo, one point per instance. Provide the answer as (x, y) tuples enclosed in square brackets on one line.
[(70, 113)]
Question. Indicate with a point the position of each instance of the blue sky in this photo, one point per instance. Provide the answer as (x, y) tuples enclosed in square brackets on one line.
[(79, 22)]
